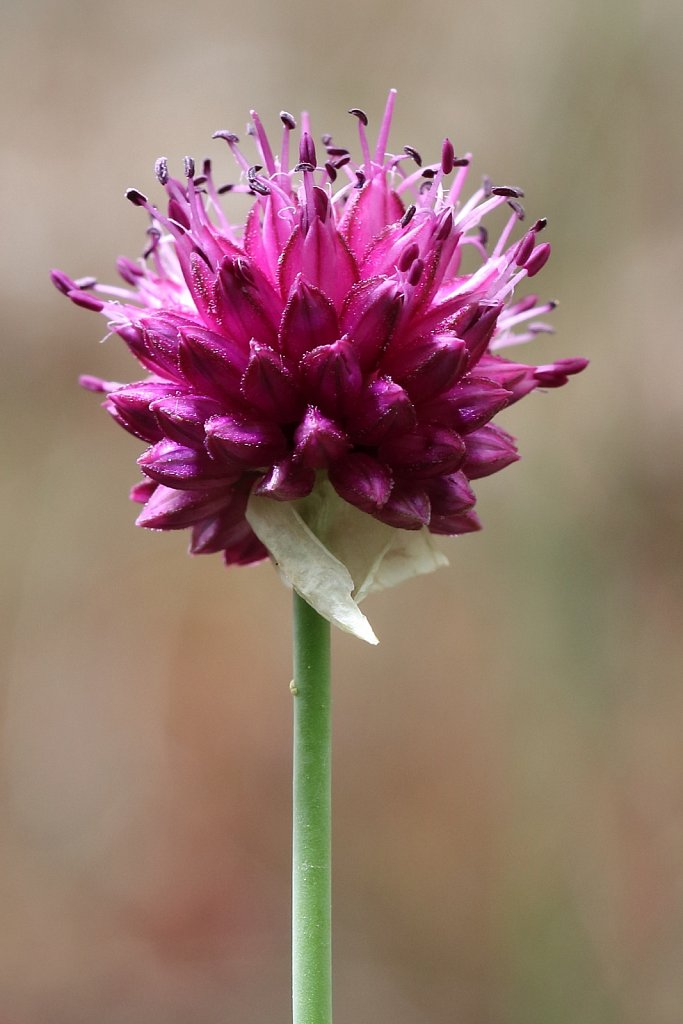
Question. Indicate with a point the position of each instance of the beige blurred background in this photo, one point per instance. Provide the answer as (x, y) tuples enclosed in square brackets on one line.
[(509, 761)]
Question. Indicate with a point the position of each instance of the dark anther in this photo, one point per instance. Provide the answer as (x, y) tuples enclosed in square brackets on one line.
[(225, 188), (408, 216), (206, 167), (331, 171), (487, 185), (541, 223), (461, 161), (259, 186), (553, 303), (429, 172), (336, 151), (425, 187), (446, 227), (409, 151), (483, 235), (161, 170), (326, 139), (201, 180), (228, 136), (287, 120), (360, 114), (304, 166), (360, 179), (135, 197), (253, 171), (507, 190), (518, 208), (84, 283), (188, 164), (342, 161), (200, 252)]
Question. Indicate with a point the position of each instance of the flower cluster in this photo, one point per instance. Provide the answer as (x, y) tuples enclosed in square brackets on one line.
[(335, 335)]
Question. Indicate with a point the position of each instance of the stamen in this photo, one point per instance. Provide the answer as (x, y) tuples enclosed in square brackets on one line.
[(307, 154), (541, 223), (331, 172), (518, 208), (412, 152), (408, 216), (232, 141), (288, 120), (263, 143), (360, 176), (507, 190), (384, 128), (365, 148), (135, 197), (447, 156), (161, 170), (188, 165)]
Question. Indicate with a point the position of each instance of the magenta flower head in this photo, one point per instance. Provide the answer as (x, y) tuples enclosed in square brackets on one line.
[(321, 381)]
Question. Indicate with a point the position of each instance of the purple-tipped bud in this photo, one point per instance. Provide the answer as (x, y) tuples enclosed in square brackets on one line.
[(369, 316), (468, 405), (362, 481), (450, 494), (86, 300), (188, 469), (478, 336), (182, 417), (427, 451), (245, 443), (429, 365), (269, 386), (384, 409), (307, 154), (525, 248), (407, 508), (333, 378), (309, 320), (489, 450), (212, 364), (62, 282), (172, 509), (455, 525), (554, 375), (130, 406), (286, 481), (318, 440), (447, 156), (538, 259)]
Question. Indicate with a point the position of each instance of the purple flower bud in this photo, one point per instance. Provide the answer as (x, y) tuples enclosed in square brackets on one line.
[(188, 469), (429, 365), (362, 481), (249, 444), (369, 316), (333, 378), (172, 509), (538, 259), (489, 450), (269, 386), (182, 417), (286, 481), (384, 409), (428, 451), (407, 507), (309, 320), (130, 406), (450, 494), (318, 440)]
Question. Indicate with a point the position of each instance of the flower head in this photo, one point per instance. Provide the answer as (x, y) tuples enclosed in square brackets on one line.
[(331, 344)]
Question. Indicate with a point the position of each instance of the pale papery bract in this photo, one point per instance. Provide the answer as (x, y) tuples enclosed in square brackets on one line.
[(333, 336)]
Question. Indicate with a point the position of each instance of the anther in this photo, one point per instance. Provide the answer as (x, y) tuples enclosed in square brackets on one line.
[(326, 139), (541, 223), (518, 208), (447, 156), (507, 190), (336, 151), (161, 170), (287, 120), (411, 152), (360, 179), (429, 172), (360, 114), (85, 283), (483, 235), (188, 165), (206, 167), (331, 171), (304, 166), (229, 137), (408, 216), (135, 197), (224, 188), (307, 150), (342, 161), (461, 161), (201, 180)]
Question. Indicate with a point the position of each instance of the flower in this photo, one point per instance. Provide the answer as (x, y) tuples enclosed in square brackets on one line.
[(332, 345)]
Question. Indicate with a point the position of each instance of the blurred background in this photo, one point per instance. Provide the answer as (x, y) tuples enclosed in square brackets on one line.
[(509, 762)]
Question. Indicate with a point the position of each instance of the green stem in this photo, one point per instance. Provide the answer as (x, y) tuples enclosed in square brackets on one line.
[(312, 848)]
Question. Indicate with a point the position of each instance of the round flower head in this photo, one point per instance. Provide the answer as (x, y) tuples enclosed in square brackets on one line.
[(326, 368)]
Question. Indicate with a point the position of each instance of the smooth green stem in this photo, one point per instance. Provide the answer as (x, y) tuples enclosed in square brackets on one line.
[(312, 847)]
